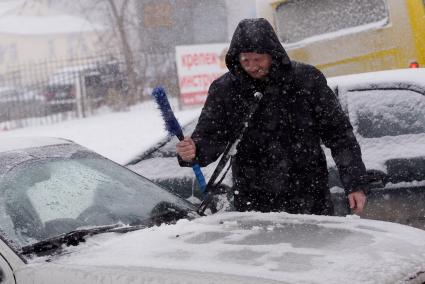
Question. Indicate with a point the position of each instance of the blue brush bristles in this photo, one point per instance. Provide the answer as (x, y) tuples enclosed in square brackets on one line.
[(171, 123), (173, 128)]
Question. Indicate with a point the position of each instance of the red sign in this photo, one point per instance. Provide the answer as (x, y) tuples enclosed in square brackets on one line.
[(198, 66)]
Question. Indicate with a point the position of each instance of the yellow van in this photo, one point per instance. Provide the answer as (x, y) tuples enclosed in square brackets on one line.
[(350, 36)]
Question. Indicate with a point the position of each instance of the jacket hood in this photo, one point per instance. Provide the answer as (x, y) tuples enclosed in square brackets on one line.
[(255, 35)]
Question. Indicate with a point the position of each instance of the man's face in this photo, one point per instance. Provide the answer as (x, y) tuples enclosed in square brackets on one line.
[(257, 65)]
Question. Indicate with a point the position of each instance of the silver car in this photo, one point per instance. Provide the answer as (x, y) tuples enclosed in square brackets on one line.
[(68, 215)]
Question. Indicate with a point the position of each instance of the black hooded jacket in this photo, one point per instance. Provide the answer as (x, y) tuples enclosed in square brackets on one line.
[(279, 164)]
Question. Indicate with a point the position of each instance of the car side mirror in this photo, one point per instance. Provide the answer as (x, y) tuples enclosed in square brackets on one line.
[(168, 213), (376, 179)]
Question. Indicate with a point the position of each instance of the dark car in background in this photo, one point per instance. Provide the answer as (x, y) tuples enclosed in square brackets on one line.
[(62, 86), (62, 83), (159, 163), (89, 83), (387, 111), (17, 103)]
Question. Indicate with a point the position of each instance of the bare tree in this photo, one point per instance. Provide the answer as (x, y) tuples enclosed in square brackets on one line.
[(121, 18), (141, 67)]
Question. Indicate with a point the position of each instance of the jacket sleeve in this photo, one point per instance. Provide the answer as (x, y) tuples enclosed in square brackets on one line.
[(336, 133), (211, 134)]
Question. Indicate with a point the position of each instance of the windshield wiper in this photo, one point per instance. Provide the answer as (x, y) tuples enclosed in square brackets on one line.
[(166, 214), (72, 238)]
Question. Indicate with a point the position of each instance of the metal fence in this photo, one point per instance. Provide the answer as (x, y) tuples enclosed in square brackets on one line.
[(57, 90)]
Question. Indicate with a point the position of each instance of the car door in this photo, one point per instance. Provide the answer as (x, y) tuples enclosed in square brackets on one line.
[(390, 126)]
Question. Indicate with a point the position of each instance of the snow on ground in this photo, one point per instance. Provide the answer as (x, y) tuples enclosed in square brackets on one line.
[(119, 136)]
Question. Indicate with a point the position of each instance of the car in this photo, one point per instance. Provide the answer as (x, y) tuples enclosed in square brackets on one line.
[(61, 84), (69, 215), (387, 111), (93, 80), (18, 103), (159, 163), (61, 89), (11, 94), (55, 192)]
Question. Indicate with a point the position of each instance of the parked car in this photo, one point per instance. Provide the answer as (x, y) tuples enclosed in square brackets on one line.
[(68, 215), (62, 83), (18, 103), (11, 94), (54, 192), (61, 88), (159, 163), (387, 111)]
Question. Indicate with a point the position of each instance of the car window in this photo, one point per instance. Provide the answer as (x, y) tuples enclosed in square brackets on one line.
[(300, 19), (43, 198), (378, 113)]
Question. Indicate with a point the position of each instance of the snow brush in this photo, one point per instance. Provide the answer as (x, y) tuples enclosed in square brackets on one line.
[(173, 128)]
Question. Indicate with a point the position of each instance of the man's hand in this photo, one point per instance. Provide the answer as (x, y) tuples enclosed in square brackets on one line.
[(186, 149), (357, 200)]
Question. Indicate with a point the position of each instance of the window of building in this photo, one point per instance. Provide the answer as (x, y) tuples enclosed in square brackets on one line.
[(157, 15)]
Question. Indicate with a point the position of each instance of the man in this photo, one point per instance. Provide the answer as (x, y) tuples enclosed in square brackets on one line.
[(279, 164)]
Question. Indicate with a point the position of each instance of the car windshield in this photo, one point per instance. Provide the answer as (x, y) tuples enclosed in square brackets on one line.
[(378, 113), (43, 197)]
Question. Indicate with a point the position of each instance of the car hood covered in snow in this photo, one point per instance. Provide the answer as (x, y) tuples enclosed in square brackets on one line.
[(244, 248)]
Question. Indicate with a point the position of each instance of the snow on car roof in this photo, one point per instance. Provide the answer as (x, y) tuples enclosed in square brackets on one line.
[(273, 246), (377, 151), (407, 76), (16, 143)]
